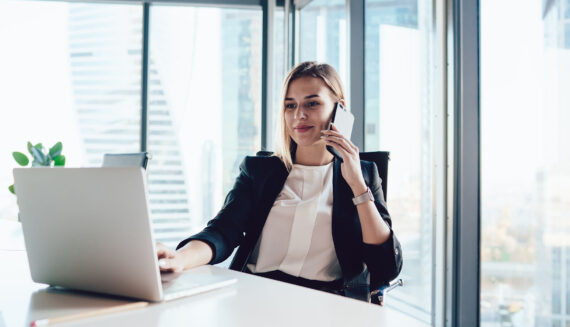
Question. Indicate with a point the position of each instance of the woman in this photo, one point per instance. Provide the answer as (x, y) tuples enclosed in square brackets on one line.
[(292, 214)]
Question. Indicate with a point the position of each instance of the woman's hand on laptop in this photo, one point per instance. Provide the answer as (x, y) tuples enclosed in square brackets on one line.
[(168, 259), (195, 253)]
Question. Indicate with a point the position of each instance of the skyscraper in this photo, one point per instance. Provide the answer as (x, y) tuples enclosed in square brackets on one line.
[(105, 48)]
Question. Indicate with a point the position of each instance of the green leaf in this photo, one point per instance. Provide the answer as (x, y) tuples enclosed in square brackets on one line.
[(21, 158), (11, 188), (30, 146), (56, 150), (39, 157), (39, 146), (59, 160)]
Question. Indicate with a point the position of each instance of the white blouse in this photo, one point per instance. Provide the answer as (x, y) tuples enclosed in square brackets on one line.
[(297, 236)]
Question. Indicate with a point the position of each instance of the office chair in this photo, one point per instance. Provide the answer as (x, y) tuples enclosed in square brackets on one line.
[(381, 159)]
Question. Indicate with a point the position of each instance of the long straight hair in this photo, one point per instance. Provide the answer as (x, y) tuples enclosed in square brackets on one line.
[(285, 147)]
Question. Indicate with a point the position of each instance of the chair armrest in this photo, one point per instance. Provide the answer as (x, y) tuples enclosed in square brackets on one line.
[(377, 296)]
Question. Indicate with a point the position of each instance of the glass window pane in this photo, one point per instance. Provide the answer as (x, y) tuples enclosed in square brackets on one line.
[(204, 111), (525, 163), (399, 110), (322, 37), (69, 72)]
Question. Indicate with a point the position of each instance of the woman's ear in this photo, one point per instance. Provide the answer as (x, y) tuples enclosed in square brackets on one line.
[(342, 102)]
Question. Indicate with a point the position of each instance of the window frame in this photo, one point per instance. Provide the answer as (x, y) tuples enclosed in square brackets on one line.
[(463, 201)]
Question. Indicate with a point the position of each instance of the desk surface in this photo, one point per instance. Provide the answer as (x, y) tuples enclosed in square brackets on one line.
[(252, 301)]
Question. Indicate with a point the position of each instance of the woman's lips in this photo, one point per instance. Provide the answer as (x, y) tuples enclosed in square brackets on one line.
[(303, 129)]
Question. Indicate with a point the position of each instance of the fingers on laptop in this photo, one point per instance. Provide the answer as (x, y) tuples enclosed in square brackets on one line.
[(163, 251), (165, 256), (167, 265)]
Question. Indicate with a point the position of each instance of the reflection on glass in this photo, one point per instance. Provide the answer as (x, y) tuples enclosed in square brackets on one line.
[(399, 111), (204, 110), (323, 34), (525, 164), (69, 72)]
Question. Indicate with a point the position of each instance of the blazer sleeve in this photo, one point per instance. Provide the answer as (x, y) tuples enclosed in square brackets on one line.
[(384, 261), (225, 231)]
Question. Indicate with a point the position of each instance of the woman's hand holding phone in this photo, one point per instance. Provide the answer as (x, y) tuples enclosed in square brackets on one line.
[(350, 167)]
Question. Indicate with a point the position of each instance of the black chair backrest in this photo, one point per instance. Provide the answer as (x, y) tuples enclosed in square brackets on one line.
[(380, 158)]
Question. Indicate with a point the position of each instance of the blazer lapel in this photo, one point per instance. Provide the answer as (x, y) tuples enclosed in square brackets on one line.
[(270, 191), (267, 191)]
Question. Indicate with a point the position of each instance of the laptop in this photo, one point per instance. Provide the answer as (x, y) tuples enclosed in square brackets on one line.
[(89, 229)]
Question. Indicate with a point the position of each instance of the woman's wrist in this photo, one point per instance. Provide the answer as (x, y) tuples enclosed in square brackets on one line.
[(195, 253), (358, 188)]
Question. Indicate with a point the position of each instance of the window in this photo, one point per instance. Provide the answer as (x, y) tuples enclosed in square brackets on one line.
[(399, 118), (68, 72), (322, 35), (525, 164), (204, 111)]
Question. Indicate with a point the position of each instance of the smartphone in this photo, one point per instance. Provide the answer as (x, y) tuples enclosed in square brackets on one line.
[(343, 120)]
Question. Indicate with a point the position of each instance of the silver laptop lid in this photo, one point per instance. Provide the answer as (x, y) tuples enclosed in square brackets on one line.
[(89, 229)]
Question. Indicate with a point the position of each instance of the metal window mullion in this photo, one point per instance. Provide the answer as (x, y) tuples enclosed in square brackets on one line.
[(356, 69), (268, 21), (439, 236), (287, 34), (295, 34), (465, 292), (289, 37), (144, 77)]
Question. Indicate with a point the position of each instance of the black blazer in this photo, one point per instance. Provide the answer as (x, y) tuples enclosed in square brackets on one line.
[(247, 205)]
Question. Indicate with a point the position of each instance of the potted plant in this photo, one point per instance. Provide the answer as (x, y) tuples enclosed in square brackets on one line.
[(40, 157)]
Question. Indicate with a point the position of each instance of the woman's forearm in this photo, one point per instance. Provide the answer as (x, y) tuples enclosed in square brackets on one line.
[(195, 253), (374, 228)]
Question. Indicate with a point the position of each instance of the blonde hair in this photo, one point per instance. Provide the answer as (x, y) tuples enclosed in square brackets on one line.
[(285, 147)]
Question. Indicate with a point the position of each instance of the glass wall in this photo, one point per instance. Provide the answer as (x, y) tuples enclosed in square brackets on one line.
[(69, 72), (204, 111), (204, 96), (322, 34), (525, 163), (399, 118)]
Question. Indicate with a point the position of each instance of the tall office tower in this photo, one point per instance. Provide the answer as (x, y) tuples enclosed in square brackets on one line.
[(167, 186), (105, 49), (207, 64)]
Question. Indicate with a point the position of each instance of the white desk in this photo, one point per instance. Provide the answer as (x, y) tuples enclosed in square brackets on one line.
[(252, 301)]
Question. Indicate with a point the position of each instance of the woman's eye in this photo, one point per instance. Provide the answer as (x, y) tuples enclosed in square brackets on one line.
[(313, 104), (289, 106)]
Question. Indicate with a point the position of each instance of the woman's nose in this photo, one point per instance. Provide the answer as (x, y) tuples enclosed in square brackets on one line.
[(300, 113)]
